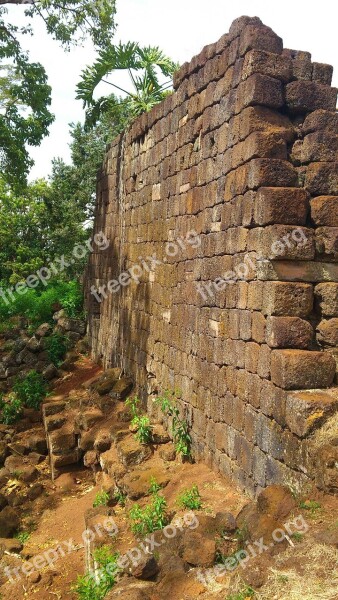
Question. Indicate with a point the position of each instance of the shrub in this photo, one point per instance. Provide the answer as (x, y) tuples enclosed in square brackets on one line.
[(101, 499), (120, 498), (89, 587), (190, 498), (180, 428), (56, 346), (246, 593), (140, 422), (22, 536), (11, 411), (150, 518), (31, 390)]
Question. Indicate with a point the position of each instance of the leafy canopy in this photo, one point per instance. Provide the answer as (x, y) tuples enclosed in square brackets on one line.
[(25, 95), (146, 66)]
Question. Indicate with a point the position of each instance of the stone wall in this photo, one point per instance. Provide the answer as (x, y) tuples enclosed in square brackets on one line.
[(231, 184)]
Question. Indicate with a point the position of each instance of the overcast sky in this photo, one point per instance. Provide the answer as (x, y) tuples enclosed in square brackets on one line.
[(181, 28)]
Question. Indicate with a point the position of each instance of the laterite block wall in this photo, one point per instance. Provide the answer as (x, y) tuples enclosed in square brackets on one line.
[(236, 167)]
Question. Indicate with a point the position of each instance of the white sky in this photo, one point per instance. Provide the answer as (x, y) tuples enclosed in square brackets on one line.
[(181, 28)]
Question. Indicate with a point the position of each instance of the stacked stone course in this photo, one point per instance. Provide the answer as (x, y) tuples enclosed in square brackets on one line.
[(243, 154)]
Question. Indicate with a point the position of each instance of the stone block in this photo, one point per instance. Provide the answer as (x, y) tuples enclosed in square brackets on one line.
[(259, 38), (307, 410), (302, 369), (326, 295), (324, 210), (322, 178), (327, 242), (288, 332), (267, 63), (259, 89), (284, 205), (327, 332), (289, 299), (306, 96)]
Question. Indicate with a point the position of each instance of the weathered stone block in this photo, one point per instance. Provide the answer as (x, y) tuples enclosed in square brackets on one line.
[(324, 210), (281, 205), (322, 178), (306, 96), (283, 298), (322, 73), (319, 146), (259, 89), (327, 242), (259, 38), (321, 120), (265, 172), (267, 63), (288, 332), (302, 369), (326, 295), (327, 332), (305, 411)]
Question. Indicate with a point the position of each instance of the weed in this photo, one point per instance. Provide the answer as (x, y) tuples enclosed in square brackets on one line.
[(101, 499), (180, 428), (310, 505), (242, 535), (151, 517), (121, 498), (246, 593), (190, 498), (140, 422), (90, 587), (22, 536), (31, 390), (11, 409), (56, 346), (143, 434), (297, 536), (154, 486)]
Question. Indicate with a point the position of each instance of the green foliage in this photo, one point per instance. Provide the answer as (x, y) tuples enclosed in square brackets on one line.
[(297, 536), (23, 536), (190, 498), (145, 67), (154, 486), (56, 346), (101, 499), (246, 593), (311, 505), (90, 588), (180, 428), (11, 410), (37, 306), (144, 433), (31, 389), (120, 498), (25, 96), (140, 422), (150, 518)]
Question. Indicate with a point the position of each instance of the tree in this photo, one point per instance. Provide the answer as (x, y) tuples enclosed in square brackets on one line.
[(36, 226), (24, 93), (145, 67)]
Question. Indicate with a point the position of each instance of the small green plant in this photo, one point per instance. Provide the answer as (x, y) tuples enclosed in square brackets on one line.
[(297, 536), (154, 486), (22, 536), (242, 534), (16, 474), (11, 409), (101, 499), (190, 498), (56, 346), (140, 422), (121, 498), (150, 518), (180, 428), (310, 505), (244, 594), (31, 390), (90, 587)]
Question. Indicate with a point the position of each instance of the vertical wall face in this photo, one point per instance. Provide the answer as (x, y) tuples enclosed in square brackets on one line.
[(223, 203)]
